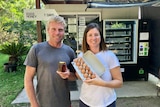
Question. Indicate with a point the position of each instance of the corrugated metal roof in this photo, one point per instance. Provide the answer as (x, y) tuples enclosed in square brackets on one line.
[(102, 1)]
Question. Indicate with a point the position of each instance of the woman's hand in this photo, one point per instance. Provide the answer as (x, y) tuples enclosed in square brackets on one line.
[(116, 82), (94, 81)]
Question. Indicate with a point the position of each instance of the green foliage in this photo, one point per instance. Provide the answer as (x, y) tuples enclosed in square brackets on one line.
[(118, 25), (10, 85), (11, 11), (7, 36), (13, 32), (12, 20), (4, 58), (14, 49)]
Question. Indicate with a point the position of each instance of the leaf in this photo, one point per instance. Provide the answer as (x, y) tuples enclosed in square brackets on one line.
[(14, 49)]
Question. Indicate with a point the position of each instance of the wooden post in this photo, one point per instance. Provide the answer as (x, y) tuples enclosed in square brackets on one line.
[(39, 32)]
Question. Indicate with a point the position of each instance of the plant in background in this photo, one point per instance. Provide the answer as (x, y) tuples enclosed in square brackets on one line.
[(15, 50)]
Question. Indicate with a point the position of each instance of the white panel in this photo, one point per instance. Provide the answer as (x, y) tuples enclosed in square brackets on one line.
[(106, 13), (120, 13), (38, 14)]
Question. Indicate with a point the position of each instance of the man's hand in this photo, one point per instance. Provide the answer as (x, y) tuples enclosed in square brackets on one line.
[(65, 74)]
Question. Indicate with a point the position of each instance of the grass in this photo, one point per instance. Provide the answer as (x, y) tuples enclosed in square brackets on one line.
[(10, 83)]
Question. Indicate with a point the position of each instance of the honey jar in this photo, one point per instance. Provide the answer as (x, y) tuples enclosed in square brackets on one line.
[(62, 66)]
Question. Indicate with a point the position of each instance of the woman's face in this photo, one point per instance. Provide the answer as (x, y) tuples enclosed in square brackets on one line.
[(93, 38)]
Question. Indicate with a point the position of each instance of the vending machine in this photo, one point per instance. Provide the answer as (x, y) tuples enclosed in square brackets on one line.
[(143, 48), (130, 42)]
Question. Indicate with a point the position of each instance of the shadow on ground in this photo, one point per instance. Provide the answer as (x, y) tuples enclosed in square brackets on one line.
[(139, 102), (133, 102)]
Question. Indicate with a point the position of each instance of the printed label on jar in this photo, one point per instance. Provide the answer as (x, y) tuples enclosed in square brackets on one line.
[(62, 66)]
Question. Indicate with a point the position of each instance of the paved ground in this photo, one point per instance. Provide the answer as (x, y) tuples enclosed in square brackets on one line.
[(132, 94), (123, 102), (134, 102)]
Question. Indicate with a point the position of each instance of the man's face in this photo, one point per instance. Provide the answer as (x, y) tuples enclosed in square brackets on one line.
[(56, 32)]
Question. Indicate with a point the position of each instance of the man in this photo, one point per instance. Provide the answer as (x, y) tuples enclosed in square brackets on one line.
[(52, 89)]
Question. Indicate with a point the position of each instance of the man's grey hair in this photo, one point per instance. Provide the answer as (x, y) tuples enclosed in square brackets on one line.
[(57, 19)]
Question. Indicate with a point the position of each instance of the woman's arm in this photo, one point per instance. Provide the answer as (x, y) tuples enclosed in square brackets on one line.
[(116, 82)]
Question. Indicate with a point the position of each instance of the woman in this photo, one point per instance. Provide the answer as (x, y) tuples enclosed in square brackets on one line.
[(99, 92)]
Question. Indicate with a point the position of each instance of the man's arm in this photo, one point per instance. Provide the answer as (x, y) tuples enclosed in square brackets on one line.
[(29, 86)]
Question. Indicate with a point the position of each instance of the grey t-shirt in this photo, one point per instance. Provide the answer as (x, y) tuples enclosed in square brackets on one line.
[(52, 90)]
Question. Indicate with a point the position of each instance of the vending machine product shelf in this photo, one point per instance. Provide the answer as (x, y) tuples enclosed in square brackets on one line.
[(130, 42)]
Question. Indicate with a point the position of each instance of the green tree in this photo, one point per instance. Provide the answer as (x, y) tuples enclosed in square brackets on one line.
[(12, 20), (11, 12), (16, 34)]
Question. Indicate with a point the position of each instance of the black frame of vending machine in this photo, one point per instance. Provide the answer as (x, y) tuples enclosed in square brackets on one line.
[(141, 69), (134, 59)]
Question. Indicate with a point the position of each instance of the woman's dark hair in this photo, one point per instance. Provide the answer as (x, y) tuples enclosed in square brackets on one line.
[(85, 46)]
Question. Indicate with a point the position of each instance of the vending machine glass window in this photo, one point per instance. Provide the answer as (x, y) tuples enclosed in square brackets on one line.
[(121, 37)]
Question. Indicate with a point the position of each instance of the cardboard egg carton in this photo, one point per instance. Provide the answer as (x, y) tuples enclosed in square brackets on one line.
[(91, 63)]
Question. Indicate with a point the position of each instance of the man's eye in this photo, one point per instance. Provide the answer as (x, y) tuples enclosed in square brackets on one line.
[(53, 29), (60, 30)]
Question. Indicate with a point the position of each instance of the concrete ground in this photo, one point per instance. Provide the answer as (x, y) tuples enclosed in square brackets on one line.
[(131, 89)]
